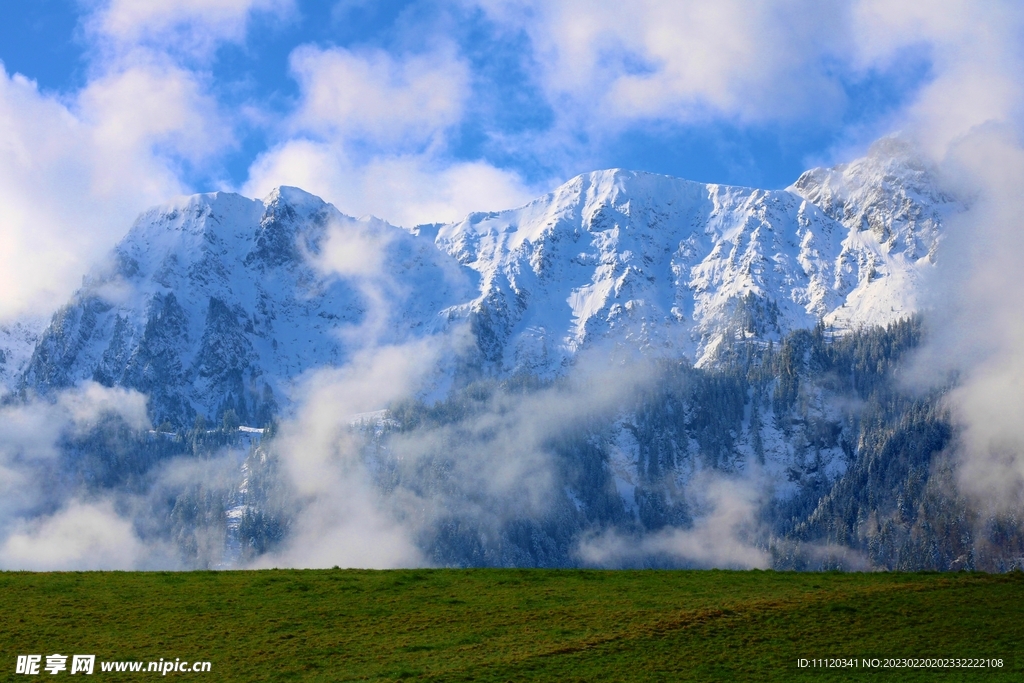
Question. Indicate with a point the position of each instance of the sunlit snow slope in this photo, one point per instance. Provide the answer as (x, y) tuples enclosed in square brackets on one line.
[(218, 301), (670, 265)]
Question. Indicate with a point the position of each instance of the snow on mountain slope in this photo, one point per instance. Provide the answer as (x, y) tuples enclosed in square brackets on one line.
[(17, 341), (893, 208), (217, 301), (653, 262)]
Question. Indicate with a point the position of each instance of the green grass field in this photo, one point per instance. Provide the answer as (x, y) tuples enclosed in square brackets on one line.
[(516, 625)]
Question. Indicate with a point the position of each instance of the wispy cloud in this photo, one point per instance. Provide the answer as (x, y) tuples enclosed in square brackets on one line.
[(340, 516), (45, 523), (724, 533), (976, 330), (187, 29), (370, 134), (79, 536)]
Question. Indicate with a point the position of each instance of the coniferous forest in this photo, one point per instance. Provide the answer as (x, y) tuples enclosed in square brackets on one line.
[(869, 478)]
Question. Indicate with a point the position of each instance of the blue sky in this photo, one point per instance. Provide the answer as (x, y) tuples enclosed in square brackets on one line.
[(47, 41), (424, 110)]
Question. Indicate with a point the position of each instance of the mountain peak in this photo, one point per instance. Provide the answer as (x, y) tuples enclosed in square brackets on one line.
[(635, 259), (895, 148), (293, 196)]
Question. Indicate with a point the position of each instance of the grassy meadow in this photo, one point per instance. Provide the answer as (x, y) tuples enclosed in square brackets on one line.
[(516, 625)]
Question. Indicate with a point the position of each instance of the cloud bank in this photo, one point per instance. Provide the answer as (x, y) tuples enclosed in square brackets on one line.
[(976, 329), (45, 523), (723, 535)]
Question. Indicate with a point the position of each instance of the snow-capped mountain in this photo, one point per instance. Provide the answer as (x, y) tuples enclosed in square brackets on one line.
[(655, 262), (218, 301), (673, 266), (892, 208), (218, 306)]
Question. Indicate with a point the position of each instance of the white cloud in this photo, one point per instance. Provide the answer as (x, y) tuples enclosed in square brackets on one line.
[(976, 56), (499, 463), (606, 62), (607, 66), (496, 465), (75, 173), (342, 518), (433, 192), (76, 168), (722, 536), (371, 128), (150, 108), (91, 402), (976, 329), (80, 536), (883, 28), (371, 97), (190, 27), (404, 189), (369, 134), (29, 431), (969, 116)]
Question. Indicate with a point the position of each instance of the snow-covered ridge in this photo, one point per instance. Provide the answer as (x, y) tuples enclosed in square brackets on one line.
[(218, 301), (892, 206), (669, 265)]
